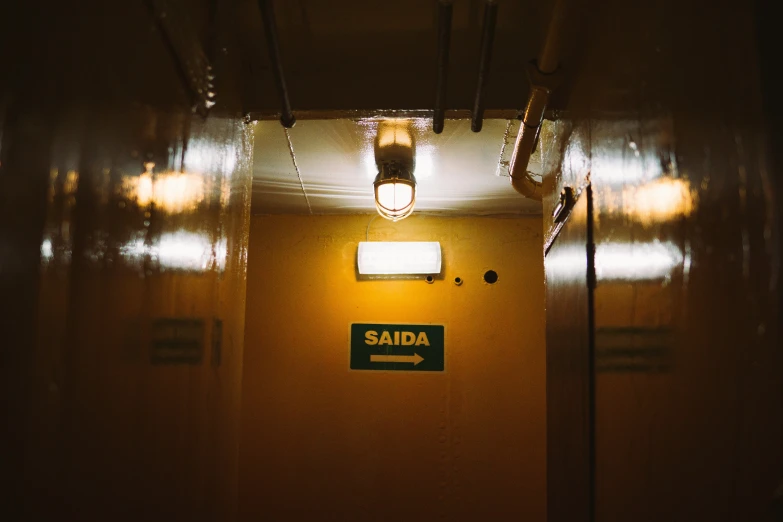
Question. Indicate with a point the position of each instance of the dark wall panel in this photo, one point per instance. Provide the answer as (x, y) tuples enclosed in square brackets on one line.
[(666, 124), (123, 247), (568, 370)]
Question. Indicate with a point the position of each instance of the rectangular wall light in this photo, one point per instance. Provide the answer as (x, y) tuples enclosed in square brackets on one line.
[(398, 258)]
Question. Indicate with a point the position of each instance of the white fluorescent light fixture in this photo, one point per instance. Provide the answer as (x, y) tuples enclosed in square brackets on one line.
[(398, 258)]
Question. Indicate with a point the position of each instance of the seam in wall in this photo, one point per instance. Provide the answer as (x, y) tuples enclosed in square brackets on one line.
[(296, 168)]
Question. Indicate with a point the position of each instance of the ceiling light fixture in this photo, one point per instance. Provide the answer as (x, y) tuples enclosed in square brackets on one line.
[(399, 258), (395, 190)]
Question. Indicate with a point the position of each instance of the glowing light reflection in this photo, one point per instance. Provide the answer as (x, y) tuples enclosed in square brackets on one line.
[(394, 132), (368, 162), (203, 156), (615, 171), (568, 262), (46, 250), (178, 251), (636, 261), (424, 163), (171, 192), (661, 200), (615, 261)]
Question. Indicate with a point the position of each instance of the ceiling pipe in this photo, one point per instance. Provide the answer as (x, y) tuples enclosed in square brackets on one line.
[(273, 46), (487, 39), (541, 78), (445, 9), (548, 57)]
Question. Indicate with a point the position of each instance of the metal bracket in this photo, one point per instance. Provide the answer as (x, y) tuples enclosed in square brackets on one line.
[(564, 206), (549, 81)]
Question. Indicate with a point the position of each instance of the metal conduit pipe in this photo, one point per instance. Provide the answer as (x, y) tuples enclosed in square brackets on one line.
[(444, 37), (273, 45), (546, 64), (548, 57), (485, 59), (526, 139)]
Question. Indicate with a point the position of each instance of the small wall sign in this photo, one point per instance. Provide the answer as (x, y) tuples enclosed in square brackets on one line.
[(397, 347), (177, 341)]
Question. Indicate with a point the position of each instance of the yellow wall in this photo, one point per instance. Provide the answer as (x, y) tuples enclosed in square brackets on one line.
[(322, 442)]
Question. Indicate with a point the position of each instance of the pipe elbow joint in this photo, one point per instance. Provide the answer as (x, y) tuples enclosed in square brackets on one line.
[(528, 187), (521, 179)]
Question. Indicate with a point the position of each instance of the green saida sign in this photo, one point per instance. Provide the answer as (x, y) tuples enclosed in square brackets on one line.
[(397, 347)]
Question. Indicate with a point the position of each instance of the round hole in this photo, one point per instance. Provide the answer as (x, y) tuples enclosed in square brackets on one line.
[(490, 277), (429, 279), (457, 281)]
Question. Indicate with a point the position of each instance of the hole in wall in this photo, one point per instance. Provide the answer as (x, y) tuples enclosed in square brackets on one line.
[(429, 279), (457, 281), (490, 277)]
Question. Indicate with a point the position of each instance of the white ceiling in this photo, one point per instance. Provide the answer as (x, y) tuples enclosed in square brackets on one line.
[(458, 172)]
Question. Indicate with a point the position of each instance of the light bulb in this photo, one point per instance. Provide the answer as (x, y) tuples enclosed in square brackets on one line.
[(395, 192), (395, 196)]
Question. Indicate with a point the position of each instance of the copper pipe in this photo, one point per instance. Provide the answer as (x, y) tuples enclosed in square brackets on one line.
[(547, 63), (523, 147)]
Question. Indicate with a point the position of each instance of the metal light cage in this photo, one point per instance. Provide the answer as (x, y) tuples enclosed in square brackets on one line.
[(393, 172)]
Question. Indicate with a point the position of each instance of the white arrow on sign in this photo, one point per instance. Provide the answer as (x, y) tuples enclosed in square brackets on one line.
[(415, 358)]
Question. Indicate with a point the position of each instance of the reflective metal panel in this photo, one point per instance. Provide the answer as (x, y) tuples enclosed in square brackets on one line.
[(688, 359), (141, 253), (569, 376)]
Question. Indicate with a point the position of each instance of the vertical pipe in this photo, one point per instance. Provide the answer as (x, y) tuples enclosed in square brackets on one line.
[(547, 63), (445, 9), (548, 57), (487, 38), (273, 46)]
